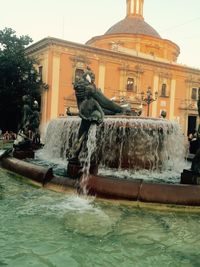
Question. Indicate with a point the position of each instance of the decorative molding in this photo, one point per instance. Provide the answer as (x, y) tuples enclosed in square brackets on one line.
[(192, 80), (165, 75), (188, 105), (138, 69), (77, 59), (153, 45), (114, 45)]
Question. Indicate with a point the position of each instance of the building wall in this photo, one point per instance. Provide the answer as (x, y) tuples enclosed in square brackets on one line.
[(60, 59)]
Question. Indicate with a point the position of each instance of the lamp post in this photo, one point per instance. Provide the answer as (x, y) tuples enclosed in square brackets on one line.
[(148, 99)]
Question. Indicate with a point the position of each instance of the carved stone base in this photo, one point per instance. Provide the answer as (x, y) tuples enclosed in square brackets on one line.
[(190, 177)]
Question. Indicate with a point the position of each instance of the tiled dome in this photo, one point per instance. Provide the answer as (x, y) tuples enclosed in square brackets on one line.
[(133, 25)]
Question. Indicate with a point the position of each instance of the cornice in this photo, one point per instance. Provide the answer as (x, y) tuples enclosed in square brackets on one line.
[(50, 41), (133, 37)]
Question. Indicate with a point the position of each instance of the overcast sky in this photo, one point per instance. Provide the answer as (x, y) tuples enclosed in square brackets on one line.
[(80, 20)]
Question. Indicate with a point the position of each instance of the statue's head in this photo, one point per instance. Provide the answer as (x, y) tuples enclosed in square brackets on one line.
[(26, 99), (163, 114), (89, 75), (35, 104)]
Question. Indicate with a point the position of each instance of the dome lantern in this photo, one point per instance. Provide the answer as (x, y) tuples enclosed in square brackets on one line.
[(135, 8)]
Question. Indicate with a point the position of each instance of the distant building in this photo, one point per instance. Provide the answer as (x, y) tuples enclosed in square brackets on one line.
[(130, 57)]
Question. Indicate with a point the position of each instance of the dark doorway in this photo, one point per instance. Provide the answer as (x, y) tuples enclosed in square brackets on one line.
[(192, 121)]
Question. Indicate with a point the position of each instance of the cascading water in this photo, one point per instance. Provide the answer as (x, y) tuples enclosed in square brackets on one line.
[(121, 143), (86, 158), (139, 143)]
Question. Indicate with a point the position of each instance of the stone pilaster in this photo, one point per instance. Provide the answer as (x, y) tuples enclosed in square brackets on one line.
[(172, 99), (55, 86)]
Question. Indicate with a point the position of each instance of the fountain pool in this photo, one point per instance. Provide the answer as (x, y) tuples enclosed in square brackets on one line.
[(120, 142), (40, 228), (137, 159)]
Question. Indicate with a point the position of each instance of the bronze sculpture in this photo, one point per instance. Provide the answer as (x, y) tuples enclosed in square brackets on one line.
[(28, 135), (26, 113), (86, 84), (92, 105)]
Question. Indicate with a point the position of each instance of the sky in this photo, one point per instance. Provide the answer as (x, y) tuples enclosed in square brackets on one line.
[(80, 20)]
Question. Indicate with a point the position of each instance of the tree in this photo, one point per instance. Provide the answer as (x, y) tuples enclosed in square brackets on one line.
[(18, 77)]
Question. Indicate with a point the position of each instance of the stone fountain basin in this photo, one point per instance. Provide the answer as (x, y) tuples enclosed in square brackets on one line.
[(124, 142), (109, 188)]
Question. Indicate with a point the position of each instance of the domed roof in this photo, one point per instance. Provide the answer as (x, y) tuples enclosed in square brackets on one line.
[(133, 25)]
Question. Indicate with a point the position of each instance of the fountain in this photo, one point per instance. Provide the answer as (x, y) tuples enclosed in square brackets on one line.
[(121, 142), (109, 151)]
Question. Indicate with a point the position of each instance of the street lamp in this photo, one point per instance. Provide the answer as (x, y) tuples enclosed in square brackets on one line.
[(148, 98)]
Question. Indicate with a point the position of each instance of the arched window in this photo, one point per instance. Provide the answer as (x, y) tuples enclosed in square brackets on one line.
[(130, 84), (164, 90)]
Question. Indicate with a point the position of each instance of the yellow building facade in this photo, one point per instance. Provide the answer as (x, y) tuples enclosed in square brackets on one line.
[(129, 58)]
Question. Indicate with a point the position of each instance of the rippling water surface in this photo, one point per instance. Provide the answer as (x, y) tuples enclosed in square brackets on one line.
[(43, 228)]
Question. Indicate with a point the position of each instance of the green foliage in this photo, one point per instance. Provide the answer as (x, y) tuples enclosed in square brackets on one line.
[(18, 77)]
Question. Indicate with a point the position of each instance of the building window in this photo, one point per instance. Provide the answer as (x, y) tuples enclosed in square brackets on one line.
[(163, 90), (130, 84), (78, 73), (40, 72), (194, 93)]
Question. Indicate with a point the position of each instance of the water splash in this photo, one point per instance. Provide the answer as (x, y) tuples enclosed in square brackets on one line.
[(122, 144), (61, 135)]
